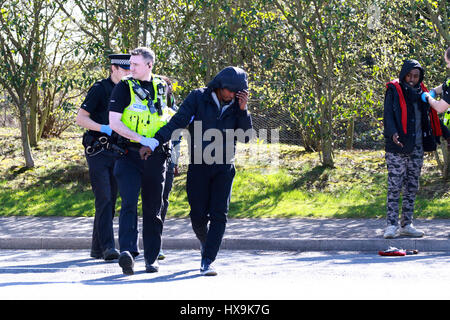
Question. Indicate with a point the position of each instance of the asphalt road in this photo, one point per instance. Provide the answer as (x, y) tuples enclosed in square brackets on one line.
[(254, 275)]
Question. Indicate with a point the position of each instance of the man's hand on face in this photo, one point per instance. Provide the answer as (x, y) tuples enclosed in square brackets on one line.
[(242, 97)]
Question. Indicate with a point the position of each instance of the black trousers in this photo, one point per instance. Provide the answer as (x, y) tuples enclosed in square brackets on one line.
[(209, 190), (104, 186), (136, 176)]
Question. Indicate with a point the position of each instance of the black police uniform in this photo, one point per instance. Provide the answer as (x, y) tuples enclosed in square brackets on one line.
[(101, 165), (101, 152), (135, 175)]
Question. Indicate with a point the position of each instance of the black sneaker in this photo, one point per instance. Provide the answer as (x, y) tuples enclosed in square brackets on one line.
[(111, 254), (126, 262), (151, 268), (206, 268)]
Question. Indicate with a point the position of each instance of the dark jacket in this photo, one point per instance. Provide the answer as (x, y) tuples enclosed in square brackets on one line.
[(393, 114), (199, 110)]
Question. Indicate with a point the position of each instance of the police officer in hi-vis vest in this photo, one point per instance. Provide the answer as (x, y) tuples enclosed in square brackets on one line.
[(137, 109), (99, 141)]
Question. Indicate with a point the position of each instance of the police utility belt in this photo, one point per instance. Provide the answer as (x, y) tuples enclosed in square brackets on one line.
[(115, 145), (94, 144)]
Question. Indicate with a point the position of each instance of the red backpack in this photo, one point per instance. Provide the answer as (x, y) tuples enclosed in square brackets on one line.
[(435, 125)]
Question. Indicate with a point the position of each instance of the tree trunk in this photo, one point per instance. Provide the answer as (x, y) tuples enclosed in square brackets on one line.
[(327, 151), (349, 134), (32, 125), (29, 162), (326, 140), (43, 120), (145, 22)]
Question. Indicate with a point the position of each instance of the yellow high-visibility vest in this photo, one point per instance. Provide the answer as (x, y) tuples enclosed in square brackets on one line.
[(139, 117)]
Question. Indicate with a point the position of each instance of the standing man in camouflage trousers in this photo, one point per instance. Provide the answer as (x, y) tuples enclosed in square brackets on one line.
[(403, 170), (410, 128)]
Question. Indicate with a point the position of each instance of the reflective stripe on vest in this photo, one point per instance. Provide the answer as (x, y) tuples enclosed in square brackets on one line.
[(447, 118), (137, 116)]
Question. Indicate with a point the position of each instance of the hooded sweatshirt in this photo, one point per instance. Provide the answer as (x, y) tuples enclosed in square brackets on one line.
[(200, 112), (418, 126)]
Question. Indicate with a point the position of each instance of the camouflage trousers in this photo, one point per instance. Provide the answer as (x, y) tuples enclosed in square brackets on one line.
[(403, 174)]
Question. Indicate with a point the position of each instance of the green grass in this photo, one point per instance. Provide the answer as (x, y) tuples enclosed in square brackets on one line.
[(44, 201), (297, 187)]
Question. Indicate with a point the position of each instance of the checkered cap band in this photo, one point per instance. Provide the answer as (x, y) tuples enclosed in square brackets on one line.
[(120, 62)]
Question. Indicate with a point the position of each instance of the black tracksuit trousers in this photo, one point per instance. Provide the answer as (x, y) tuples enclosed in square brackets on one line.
[(209, 190)]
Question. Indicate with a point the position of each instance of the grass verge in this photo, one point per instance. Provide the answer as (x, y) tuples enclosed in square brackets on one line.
[(297, 186)]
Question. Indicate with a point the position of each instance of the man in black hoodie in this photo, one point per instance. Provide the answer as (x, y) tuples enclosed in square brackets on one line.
[(214, 115), (410, 128)]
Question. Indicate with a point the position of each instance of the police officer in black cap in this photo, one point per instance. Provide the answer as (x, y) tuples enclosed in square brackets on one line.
[(101, 151)]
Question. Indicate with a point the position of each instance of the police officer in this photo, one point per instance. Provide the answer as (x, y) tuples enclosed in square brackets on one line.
[(219, 108), (93, 115), (137, 110), (442, 105), (444, 91)]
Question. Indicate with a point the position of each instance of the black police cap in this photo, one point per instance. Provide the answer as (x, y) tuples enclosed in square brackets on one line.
[(121, 59)]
